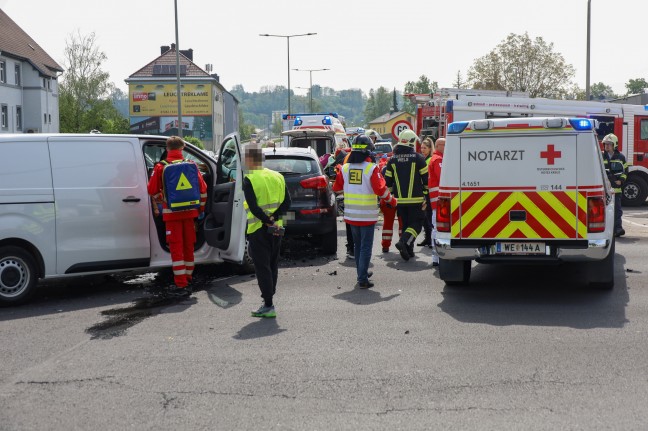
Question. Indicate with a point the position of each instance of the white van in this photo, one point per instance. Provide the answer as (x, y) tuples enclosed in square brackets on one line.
[(528, 190), (75, 205)]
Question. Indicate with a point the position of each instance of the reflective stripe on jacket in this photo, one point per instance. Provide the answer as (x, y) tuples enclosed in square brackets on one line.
[(360, 202), (407, 176), (270, 189), (616, 168)]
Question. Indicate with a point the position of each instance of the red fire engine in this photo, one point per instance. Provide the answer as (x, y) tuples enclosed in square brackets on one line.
[(628, 122)]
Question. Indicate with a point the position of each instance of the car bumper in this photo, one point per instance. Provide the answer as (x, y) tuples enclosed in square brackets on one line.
[(313, 224), (582, 251)]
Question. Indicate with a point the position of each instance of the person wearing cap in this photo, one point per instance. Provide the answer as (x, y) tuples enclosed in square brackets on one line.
[(407, 176), (616, 169), (361, 182)]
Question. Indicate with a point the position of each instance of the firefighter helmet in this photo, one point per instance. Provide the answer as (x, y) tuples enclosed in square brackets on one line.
[(611, 139), (363, 143), (407, 138)]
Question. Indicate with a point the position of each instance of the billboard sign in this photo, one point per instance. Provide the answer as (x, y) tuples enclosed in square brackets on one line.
[(158, 100)]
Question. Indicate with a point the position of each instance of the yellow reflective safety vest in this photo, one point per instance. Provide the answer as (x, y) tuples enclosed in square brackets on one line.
[(270, 190), (360, 202)]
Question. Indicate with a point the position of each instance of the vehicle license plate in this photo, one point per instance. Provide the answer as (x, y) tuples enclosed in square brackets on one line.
[(520, 248)]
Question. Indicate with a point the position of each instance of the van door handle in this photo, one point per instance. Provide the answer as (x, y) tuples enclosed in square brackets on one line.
[(131, 199)]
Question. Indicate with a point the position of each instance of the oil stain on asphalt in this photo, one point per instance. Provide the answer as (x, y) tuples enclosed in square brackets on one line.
[(121, 319)]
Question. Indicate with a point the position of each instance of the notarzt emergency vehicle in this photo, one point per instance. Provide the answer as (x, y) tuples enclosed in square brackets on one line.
[(524, 190), (628, 122)]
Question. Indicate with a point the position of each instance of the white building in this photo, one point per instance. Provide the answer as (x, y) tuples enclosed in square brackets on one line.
[(29, 100)]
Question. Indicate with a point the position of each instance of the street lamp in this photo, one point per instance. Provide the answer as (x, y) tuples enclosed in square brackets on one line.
[(288, 44), (310, 72), (177, 53)]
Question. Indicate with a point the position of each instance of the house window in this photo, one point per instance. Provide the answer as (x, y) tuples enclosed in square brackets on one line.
[(44, 118), (18, 118), (49, 116), (17, 74), (4, 123), (3, 72), (44, 83)]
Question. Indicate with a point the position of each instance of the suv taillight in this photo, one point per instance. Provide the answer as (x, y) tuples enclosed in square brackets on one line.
[(595, 214), (443, 221), (319, 182)]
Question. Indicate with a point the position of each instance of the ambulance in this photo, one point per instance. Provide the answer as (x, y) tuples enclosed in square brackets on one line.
[(323, 132), (529, 190)]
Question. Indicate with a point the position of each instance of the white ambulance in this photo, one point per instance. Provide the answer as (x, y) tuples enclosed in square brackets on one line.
[(524, 190), (322, 132)]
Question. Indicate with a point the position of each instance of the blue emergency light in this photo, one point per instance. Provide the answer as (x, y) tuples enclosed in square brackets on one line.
[(457, 127), (327, 120), (581, 123), (298, 121)]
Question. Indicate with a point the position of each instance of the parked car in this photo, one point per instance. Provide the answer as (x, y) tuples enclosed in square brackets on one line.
[(313, 209), (77, 204)]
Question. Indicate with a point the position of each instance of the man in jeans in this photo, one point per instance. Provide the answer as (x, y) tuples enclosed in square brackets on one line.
[(361, 182)]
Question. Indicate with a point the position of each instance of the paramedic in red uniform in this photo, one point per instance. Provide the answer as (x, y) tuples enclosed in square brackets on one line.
[(180, 229), (434, 175)]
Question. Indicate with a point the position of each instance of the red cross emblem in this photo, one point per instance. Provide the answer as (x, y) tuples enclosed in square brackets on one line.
[(550, 154)]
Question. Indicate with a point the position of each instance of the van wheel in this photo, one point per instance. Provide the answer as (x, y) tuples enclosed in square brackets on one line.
[(18, 275), (601, 273), (455, 272), (635, 191)]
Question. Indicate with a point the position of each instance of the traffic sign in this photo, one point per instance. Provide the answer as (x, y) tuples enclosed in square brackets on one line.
[(399, 126)]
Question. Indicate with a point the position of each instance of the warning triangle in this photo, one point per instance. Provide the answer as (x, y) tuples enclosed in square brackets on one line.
[(183, 183)]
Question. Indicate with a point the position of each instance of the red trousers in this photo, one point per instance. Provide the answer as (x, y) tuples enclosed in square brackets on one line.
[(389, 214), (181, 237)]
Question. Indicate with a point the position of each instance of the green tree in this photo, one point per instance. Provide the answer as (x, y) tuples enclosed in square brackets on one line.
[(636, 86), (521, 64), (422, 86), (379, 103), (459, 83), (85, 92), (195, 141)]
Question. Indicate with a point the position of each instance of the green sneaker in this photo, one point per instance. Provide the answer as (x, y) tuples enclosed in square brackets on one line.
[(264, 311)]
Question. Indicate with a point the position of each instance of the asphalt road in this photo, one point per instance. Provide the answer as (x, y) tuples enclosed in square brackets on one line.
[(520, 348)]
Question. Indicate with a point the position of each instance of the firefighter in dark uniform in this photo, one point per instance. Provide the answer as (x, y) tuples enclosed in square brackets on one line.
[(616, 168), (407, 176), (266, 199)]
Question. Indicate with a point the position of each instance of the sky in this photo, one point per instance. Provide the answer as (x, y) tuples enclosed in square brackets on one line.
[(365, 44)]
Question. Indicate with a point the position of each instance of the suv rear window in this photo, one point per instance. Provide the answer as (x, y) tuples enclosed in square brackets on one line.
[(383, 148), (292, 165)]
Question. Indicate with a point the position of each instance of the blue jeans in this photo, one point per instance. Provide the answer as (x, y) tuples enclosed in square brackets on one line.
[(363, 237)]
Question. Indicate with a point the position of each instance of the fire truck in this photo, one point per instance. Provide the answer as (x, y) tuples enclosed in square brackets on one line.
[(628, 122)]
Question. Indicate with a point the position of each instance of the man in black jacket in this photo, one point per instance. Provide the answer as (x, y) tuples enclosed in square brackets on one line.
[(406, 175)]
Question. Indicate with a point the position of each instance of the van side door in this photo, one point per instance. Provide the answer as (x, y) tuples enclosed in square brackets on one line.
[(102, 205), (225, 223)]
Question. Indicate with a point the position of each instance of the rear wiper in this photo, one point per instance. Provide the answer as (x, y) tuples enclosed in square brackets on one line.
[(289, 173)]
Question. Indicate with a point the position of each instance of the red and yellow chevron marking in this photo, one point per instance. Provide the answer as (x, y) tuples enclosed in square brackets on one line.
[(477, 214)]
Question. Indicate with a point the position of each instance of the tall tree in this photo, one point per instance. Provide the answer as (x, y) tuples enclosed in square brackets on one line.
[(379, 103), (459, 83), (84, 100), (394, 102), (636, 86), (519, 63), (422, 86)]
